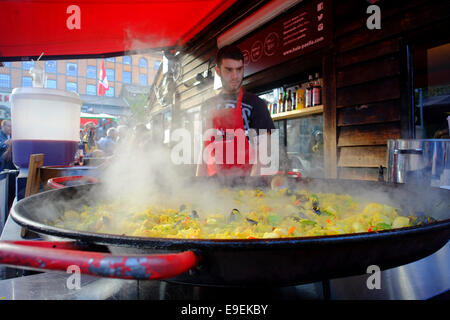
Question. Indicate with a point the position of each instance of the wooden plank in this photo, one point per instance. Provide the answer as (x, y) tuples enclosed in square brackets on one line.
[(207, 52), (351, 15), (368, 71), (201, 68), (194, 91), (368, 135), (34, 174), (342, 8), (407, 123), (198, 99), (370, 174), (357, 10), (371, 157), (329, 116), (368, 52), (379, 112), (415, 18), (375, 91)]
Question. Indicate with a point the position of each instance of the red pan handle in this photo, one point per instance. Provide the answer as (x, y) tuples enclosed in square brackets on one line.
[(289, 173), (294, 173), (58, 256), (55, 183)]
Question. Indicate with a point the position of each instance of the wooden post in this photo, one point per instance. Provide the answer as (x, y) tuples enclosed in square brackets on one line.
[(329, 116), (33, 183), (34, 174)]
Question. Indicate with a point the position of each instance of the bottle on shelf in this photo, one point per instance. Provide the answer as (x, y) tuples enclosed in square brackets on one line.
[(274, 108), (300, 98), (294, 100), (280, 102), (308, 98), (288, 101), (317, 91)]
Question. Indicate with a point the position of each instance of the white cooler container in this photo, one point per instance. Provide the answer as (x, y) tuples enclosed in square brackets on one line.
[(45, 121)]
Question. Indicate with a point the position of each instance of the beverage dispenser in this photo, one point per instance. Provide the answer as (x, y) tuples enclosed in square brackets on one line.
[(45, 121)]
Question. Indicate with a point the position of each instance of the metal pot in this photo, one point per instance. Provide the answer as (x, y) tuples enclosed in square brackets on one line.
[(250, 262), (422, 162), (51, 172)]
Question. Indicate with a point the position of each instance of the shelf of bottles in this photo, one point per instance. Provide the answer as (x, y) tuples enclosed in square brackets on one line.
[(299, 100)]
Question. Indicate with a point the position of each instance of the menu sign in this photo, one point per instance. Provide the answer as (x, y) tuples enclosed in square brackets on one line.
[(302, 31)]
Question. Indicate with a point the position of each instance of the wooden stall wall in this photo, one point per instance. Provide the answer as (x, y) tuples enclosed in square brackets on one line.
[(367, 93), (371, 103)]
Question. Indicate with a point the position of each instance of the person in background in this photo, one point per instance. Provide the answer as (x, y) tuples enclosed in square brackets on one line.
[(141, 138), (6, 146), (6, 162), (122, 134), (89, 138), (108, 143)]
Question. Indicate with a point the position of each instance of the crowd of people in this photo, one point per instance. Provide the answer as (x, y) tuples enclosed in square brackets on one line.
[(97, 146)]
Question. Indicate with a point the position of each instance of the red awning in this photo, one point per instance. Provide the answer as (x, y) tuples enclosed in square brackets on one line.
[(100, 27)]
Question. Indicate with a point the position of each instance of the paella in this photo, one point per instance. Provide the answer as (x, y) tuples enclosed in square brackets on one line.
[(249, 214)]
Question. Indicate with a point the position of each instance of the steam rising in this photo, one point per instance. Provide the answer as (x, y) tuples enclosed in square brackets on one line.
[(144, 177), (139, 177)]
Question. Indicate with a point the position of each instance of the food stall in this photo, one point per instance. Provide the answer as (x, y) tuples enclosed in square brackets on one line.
[(361, 82), (370, 79), (95, 118)]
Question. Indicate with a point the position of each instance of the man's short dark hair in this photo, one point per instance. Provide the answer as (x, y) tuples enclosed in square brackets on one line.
[(229, 52)]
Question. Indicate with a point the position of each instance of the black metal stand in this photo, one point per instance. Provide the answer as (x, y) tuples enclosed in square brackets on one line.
[(326, 289)]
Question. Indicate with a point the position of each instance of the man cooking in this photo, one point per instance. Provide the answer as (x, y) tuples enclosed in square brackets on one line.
[(232, 109)]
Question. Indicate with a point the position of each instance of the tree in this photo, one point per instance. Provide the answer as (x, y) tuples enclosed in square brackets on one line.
[(139, 108)]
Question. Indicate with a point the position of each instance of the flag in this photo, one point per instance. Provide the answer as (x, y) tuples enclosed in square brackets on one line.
[(103, 81)]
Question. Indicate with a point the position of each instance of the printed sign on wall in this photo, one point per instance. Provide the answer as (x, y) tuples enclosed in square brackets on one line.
[(306, 29)]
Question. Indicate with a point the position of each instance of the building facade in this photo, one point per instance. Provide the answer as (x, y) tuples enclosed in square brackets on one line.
[(81, 76)]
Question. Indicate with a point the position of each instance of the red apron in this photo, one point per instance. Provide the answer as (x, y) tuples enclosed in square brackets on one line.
[(231, 119)]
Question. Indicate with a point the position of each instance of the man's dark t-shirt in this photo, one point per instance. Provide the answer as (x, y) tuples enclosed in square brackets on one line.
[(254, 110)]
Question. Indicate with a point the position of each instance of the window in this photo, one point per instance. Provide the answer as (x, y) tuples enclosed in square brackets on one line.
[(156, 65), (50, 84), (300, 133), (27, 82), (126, 60), (431, 91), (50, 66), (143, 62), (91, 72), (71, 86), (110, 59), (91, 89), (143, 79), (71, 69), (110, 74), (27, 64), (5, 81), (7, 64), (110, 92), (126, 77)]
